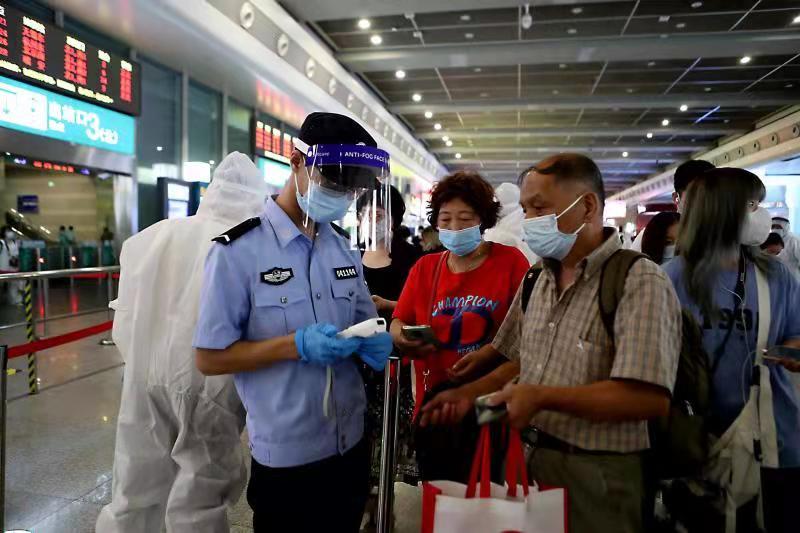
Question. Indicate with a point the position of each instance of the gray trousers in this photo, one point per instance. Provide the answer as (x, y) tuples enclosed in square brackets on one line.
[(605, 493)]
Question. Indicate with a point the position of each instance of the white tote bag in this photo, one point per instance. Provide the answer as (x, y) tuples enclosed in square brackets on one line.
[(449, 507)]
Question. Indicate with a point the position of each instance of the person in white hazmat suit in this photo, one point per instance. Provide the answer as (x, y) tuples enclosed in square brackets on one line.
[(508, 229), (178, 459), (791, 244)]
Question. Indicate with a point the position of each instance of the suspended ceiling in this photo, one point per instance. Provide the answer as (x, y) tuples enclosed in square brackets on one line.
[(594, 76)]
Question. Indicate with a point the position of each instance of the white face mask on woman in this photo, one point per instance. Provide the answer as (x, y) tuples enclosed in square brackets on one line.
[(669, 253), (756, 228)]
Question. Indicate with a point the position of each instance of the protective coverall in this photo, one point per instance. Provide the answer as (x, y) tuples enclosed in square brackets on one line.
[(791, 245), (178, 459), (508, 229)]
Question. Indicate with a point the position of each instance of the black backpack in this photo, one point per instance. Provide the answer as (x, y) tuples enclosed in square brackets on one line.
[(679, 441)]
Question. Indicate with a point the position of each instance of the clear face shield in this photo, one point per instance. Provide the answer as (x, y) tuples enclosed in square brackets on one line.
[(338, 178), (375, 218)]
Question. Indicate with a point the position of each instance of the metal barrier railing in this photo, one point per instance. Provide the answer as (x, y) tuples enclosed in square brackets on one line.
[(62, 273), (391, 412), (43, 279)]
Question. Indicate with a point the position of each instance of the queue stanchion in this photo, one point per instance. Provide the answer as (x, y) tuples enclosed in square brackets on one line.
[(99, 260), (391, 412), (46, 306), (27, 300), (71, 261), (108, 340), (40, 287)]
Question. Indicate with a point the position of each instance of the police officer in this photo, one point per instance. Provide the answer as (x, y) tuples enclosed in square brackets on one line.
[(277, 290)]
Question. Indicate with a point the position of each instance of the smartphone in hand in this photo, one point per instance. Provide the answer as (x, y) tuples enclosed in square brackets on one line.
[(777, 353), (420, 333)]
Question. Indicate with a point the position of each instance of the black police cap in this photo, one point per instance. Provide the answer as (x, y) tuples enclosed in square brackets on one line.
[(332, 128)]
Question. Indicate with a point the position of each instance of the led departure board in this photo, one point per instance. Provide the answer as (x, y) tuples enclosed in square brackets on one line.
[(43, 54), (272, 142)]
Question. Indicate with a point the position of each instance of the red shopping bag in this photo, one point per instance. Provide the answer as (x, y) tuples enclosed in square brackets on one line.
[(449, 507)]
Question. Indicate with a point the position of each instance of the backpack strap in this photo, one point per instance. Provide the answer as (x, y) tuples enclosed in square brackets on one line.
[(612, 284), (528, 282)]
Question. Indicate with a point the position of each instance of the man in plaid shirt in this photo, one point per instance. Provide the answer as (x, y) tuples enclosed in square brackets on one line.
[(583, 397)]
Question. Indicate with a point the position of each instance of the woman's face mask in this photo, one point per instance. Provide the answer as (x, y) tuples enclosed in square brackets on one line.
[(377, 229), (461, 242), (756, 228), (669, 253)]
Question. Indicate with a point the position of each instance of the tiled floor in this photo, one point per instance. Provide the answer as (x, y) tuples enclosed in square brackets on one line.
[(61, 441)]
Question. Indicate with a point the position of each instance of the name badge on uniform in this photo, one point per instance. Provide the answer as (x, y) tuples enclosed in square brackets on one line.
[(277, 276), (348, 272)]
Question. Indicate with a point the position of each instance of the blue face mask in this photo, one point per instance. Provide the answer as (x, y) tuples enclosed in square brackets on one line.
[(544, 238), (462, 242), (323, 205)]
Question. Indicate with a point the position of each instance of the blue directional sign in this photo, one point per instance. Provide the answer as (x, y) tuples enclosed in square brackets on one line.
[(33, 110)]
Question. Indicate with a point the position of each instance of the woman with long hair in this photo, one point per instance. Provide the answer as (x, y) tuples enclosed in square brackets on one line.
[(716, 277), (660, 237)]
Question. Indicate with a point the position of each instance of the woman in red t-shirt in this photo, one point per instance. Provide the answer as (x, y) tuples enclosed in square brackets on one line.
[(462, 293)]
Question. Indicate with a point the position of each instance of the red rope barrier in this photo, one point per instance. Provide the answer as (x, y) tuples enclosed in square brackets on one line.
[(50, 342), (94, 276)]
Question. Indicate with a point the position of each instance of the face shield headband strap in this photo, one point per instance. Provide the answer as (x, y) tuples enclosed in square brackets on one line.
[(344, 155)]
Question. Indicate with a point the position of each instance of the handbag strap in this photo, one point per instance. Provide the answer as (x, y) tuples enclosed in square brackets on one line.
[(768, 431), (421, 364), (481, 466), (516, 470), (436, 273), (764, 313)]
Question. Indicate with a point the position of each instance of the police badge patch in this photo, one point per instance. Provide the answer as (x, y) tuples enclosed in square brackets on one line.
[(348, 272), (277, 276)]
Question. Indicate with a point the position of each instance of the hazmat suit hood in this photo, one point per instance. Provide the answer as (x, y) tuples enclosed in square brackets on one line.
[(238, 187), (508, 229), (162, 272), (791, 245), (784, 225), (508, 196)]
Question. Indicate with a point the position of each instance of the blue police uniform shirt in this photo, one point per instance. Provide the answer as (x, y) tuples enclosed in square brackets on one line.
[(730, 386), (268, 283)]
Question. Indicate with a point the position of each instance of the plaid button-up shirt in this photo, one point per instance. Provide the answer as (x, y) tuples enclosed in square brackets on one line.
[(561, 341)]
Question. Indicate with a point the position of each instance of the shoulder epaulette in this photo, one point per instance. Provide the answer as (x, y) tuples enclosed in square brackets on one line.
[(237, 231), (341, 231)]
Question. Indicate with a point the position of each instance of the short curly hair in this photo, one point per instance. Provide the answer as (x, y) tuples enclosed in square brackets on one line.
[(473, 190)]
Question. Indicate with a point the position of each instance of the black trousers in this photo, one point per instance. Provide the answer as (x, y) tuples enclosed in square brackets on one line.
[(328, 495), (780, 488)]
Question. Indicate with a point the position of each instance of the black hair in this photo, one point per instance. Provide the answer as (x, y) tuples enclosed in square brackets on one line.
[(402, 233), (688, 171), (717, 204), (571, 167), (773, 238), (473, 190), (655, 234), (781, 218)]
